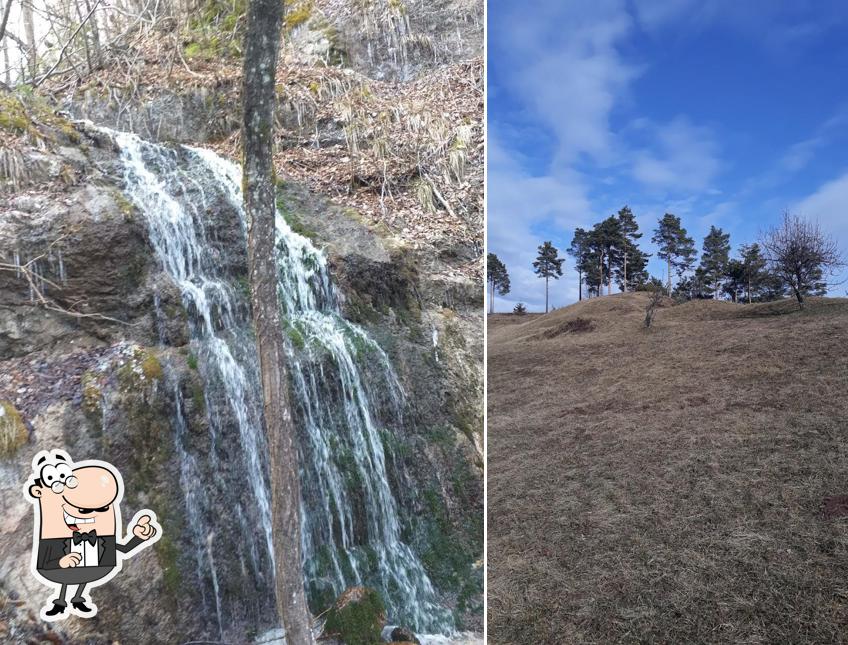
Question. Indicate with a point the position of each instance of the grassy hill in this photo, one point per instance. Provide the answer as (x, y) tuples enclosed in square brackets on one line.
[(674, 485)]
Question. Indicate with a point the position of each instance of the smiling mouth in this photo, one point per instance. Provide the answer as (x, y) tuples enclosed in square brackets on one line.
[(73, 522)]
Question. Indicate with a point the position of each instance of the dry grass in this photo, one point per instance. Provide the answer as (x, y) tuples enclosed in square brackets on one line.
[(675, 485)]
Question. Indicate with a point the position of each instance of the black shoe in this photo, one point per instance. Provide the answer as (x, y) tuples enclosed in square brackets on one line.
[(57, 609), (81, 607)]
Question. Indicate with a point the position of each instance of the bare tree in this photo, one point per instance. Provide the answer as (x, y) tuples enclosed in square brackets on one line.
[(801, 254), (29, 29), (262, 44), (4, 21), (651, 308)]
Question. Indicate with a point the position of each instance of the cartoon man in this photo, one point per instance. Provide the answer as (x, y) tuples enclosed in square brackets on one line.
[(77, 535)]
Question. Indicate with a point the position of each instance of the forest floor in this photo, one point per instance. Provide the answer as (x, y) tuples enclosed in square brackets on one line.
[(683, 484)]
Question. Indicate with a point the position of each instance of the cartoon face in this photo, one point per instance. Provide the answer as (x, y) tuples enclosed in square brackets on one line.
[(82, 499)]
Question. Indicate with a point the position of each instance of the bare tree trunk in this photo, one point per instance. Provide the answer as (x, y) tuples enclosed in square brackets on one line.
[(95, 35), (8, 70), (601, 270), (29, 29), (3, 22), (669, 277), (580, 286), (749, 289), (546, 294), (262, 44), (625, 270)]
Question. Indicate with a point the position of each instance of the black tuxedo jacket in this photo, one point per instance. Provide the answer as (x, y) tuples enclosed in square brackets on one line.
[(51, 550)]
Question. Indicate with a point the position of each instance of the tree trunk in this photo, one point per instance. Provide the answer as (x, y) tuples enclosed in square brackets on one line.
[(262, 44), (749, 290), (546, 294), (492, 298), (625, 271), (669, 277), (796, 289), (580, 286), (8, 72), (3, 22), (29, 30), (601, 271), (95, 35)]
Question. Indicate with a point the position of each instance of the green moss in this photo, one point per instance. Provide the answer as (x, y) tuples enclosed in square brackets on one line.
[(217, 31), (124, 205), (298, 14), (167, 553), (191, 360), (91, 392), (13, 432), (358, 617), (13, 116), (151, 367), (291, 217), (295, 335)]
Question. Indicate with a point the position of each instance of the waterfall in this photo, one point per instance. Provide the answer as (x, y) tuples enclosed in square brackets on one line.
[(347, 401)]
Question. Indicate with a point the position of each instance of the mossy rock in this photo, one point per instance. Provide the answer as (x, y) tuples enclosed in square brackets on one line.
[(13, 116), (13, 431), (357, 618), (298, 14)]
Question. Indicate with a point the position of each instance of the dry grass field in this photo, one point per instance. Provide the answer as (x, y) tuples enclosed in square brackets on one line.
[(677, 485)]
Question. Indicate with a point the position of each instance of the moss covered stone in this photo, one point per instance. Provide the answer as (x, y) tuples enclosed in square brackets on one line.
[(298, 14), (357, 618), (91, 392), (13, 432), (13, 116)]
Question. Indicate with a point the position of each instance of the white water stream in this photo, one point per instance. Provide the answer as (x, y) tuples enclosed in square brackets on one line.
[(348, 400)]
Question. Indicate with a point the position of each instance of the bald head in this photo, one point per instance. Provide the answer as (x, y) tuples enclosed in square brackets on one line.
[(84, 503)]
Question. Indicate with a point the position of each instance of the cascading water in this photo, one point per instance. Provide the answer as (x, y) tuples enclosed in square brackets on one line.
[(347, 399)]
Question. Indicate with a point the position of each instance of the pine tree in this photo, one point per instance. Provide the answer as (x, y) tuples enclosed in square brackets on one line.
[(675, 247), (631, 256), (606, 240), (548, 265), (497, 277), (754, 265), (734, 279), (714, 260), (581, 252), (637, 273)]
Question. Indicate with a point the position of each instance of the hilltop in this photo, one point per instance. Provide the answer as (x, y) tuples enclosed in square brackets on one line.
[(683, 484)]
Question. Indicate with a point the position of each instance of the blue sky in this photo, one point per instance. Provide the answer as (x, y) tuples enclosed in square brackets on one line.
[(725, 112)]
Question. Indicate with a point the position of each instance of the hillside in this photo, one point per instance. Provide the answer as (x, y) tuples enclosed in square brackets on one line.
[(685, 484)]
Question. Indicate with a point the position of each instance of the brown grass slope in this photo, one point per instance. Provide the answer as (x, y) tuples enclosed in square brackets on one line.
[(669, 486)]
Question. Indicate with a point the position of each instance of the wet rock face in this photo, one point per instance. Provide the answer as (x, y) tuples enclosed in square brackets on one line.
[(162, 114), (80, 247), (429, 321), (90, 383)]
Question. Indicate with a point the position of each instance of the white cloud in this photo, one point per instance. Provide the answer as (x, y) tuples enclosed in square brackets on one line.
[(518, 204), (828, 205), (565, 68), (684, 158)]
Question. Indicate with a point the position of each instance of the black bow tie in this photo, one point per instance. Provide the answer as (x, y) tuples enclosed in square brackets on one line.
[(91, 536)]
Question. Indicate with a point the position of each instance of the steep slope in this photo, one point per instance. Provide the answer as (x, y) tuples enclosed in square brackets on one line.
[(685, 484)]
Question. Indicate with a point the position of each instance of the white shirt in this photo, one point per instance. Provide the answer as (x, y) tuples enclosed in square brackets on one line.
[(89, 552)]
